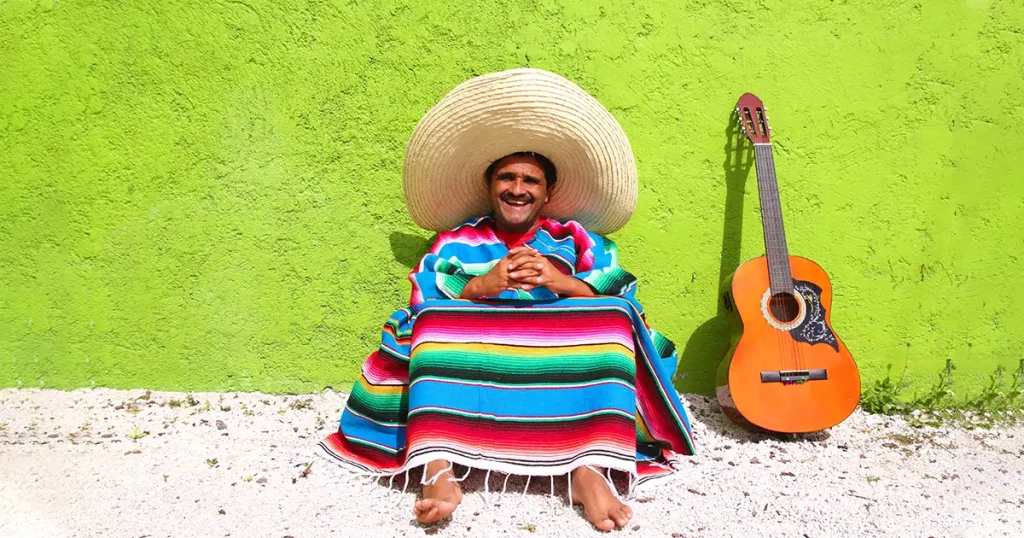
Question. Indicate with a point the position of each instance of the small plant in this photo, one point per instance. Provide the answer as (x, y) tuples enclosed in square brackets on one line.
[(940, 395), (225, 408), (3, 426), (132, 407), (247, 478), (191, 400), (212, 462), (905, 439), (529, 527), (883, 397), (997, 403), (137, 434), (175, 403), (873, 479), (300, 405), (165, 477), (305, 472), (247, 412), (282, 411)]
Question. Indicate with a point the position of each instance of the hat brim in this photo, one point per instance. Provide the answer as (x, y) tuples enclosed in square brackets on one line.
[(491, 116)]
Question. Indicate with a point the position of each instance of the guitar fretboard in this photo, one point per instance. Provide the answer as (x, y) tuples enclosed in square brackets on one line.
[(771, 219)]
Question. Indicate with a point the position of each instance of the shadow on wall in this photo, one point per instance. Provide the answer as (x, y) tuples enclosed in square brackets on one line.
[(707, 345), (408, 248)]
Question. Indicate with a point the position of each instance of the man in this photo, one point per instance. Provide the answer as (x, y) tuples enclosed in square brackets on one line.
[(524, 350)]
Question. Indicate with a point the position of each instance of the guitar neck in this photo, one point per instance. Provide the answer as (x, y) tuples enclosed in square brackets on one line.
[(771, 219)]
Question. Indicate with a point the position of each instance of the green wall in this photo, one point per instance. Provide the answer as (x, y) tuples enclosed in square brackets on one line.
[(207, 195)]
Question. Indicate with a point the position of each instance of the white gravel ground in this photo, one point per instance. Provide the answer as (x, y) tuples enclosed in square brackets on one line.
[(69, 467)]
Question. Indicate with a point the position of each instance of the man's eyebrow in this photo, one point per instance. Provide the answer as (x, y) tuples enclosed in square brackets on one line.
[(512, 175)]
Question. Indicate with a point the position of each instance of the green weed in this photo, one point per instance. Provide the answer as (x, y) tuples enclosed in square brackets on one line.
[(299, 405), (999, 401)]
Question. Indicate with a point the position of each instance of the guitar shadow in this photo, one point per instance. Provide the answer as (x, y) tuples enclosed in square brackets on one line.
[(708, 344)]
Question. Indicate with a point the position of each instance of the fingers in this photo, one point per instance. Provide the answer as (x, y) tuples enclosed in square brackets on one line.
[(524, 274), (520, 251), (522, 261)]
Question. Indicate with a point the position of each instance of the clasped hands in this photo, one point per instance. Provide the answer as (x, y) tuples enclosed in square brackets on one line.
[(524, 268)]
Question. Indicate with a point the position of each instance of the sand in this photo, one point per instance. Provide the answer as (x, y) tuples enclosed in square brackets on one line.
[(114, 463)]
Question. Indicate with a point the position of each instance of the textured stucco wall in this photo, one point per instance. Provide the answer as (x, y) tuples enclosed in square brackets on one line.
[(207, 195)]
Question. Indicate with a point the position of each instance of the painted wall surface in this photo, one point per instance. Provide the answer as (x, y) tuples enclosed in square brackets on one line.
[(207, 195)]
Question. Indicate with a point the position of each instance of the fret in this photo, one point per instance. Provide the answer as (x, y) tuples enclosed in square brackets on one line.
[(776, 250)]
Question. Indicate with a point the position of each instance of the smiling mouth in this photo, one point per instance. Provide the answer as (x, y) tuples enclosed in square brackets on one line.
[(516, 203)]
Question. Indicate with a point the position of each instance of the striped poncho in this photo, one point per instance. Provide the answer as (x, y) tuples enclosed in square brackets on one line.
[(523, 383)]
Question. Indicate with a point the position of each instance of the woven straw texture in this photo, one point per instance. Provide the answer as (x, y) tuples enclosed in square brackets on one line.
[(490, 116)]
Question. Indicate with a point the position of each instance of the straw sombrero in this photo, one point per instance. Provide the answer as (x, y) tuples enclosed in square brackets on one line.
[(490, 116)]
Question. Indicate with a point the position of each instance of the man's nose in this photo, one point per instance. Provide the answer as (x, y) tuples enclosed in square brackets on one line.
[(518, 187)]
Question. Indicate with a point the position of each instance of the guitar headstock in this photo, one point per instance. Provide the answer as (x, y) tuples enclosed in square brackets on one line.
[(753, 119)]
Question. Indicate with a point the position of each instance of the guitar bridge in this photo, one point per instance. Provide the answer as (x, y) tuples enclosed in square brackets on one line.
[(794, 377)]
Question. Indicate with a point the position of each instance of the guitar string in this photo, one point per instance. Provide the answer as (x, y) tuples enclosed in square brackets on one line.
[(797, 348), (783, 255), (776, 252), (760, 165)]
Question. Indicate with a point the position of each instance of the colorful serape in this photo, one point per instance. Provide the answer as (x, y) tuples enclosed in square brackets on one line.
[(525, 383)]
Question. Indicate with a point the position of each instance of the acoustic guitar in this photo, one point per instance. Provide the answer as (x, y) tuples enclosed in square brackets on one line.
[(786, 370)]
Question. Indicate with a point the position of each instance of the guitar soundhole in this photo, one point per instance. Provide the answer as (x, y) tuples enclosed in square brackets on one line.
[(784, 307)]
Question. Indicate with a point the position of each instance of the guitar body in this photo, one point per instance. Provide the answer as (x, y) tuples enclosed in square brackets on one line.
[(786, 371)]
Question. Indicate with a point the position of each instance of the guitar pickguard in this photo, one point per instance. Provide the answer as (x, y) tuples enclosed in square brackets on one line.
[(813, 330)]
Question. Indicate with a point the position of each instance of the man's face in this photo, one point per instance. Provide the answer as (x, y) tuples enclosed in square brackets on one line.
[(519, 191)]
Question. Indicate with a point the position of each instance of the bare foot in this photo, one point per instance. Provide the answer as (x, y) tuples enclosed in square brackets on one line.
[(599, 504), (440, 499)]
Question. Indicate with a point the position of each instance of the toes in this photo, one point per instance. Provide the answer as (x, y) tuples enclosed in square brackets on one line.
[(620, 516), (605, 525), (423, 506), (428, 517), (445, 509)]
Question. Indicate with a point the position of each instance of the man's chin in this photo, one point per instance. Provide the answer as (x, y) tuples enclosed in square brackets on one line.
[(518, 222)]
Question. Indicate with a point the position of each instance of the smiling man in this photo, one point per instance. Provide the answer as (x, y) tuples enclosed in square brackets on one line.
[(523, 350)]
